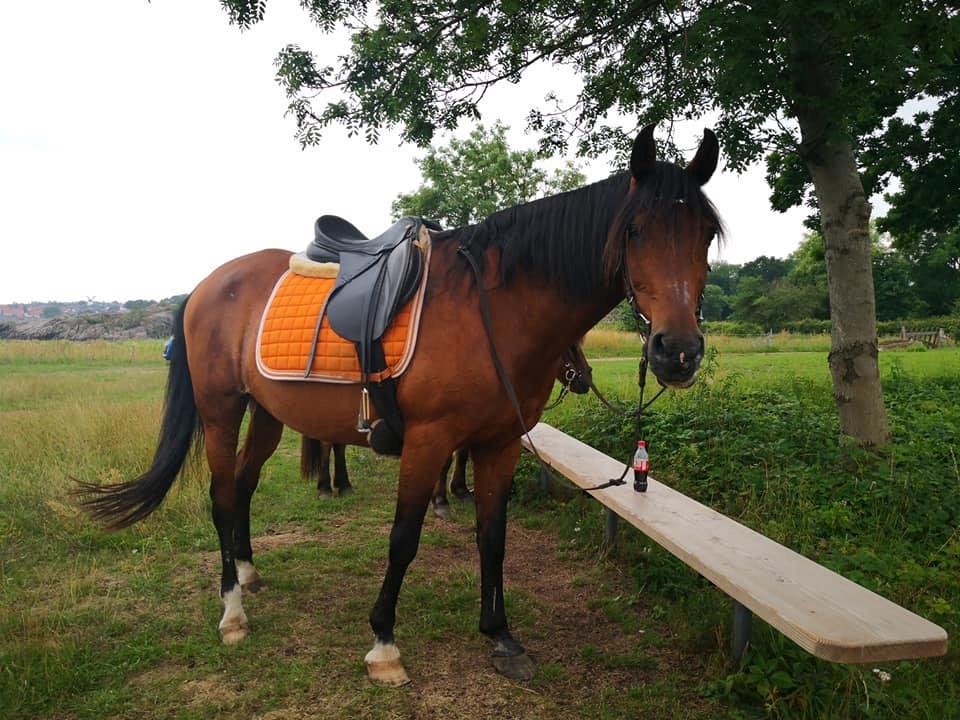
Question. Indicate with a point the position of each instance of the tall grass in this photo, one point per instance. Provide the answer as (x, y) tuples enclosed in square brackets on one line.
[(611, 342), (66, 352)]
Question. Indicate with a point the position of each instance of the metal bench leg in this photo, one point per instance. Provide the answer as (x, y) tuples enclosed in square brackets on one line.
[(609, 527), (742, 627), (544, 480)]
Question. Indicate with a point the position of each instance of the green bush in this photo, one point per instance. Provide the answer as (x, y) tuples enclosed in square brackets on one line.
[(732, 327), (949, 323), (807, 327)]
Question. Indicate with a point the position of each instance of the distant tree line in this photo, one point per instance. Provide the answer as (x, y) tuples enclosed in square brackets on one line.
[(771, 292)]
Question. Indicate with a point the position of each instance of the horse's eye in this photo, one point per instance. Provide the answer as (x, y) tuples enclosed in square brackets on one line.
[(632, 232)]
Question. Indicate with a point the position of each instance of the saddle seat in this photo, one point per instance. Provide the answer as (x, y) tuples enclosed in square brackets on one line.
[(334, 235), (375, 276)]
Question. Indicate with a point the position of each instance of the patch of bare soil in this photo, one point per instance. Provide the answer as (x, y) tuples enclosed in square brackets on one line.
[(460, 681), (454, 678), (210, 561)]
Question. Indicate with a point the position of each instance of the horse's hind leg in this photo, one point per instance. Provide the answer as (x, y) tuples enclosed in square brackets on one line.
[(221, 429), (441, 506), (340, 478), (493, 476), (315, 463), (263, 435), (458, 485)]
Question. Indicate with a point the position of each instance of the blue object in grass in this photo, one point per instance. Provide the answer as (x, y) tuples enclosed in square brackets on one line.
[(168, 349)]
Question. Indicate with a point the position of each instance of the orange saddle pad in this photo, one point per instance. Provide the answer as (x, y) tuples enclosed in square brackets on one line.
[(290, 320)]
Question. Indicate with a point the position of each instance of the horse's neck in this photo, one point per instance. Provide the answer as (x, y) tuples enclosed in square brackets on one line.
[(532, 322), (545, 322)]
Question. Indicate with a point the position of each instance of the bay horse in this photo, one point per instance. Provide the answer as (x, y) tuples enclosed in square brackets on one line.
[(573, 373), (549, 269)]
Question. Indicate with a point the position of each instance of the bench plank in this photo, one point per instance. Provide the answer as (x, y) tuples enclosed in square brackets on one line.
[(823, 612)]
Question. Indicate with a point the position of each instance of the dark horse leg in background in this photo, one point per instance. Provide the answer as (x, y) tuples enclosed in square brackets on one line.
[(315, 463), (458, 485)]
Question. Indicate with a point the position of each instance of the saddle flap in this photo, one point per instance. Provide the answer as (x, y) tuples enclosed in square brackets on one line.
[(367, 294)]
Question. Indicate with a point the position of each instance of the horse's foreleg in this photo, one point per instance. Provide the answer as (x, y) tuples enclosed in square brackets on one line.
[(419, 465), (263, 435), (441, 507), (221, 445), (493, 477), (458, 485), (340, 478)]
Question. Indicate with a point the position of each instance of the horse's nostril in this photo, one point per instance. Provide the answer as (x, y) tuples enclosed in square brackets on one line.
[(658, 344)]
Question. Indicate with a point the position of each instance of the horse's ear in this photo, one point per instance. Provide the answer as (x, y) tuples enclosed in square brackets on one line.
[(705, 161), (644, 153)]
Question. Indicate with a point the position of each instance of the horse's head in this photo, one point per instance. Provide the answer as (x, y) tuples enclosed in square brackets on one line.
[(658, 246)]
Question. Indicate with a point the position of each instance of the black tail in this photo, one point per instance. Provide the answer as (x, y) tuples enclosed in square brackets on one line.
[(311, 458), (125, 503)]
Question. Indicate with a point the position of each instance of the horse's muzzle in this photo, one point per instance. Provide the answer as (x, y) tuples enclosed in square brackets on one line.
[(675, 359)]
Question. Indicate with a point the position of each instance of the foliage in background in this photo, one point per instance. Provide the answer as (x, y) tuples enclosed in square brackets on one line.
[(467, 180), (774, 293), (924, 217)]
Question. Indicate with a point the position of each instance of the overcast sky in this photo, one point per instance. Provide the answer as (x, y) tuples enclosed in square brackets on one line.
[(143, 144)]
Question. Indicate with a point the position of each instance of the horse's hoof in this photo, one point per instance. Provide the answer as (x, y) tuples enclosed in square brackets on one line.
[(442, 511), (233, 633), (465, 497), (384, 666), (389, 672), (345, 490), (254, 586), (325, 492), (515, 667)]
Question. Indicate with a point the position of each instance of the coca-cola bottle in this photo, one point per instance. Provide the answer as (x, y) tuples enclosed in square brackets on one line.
[(641, 466)]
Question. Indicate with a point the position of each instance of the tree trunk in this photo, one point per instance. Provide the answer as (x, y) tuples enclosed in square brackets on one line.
[(845, 225)]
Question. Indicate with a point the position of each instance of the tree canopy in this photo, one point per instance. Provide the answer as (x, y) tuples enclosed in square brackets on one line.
[(804, 84), (467, 180)]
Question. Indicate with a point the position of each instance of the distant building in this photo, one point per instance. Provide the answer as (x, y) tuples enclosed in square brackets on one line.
[(16, 311)]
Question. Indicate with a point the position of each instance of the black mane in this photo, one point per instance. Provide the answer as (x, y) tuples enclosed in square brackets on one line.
[(573, 239)]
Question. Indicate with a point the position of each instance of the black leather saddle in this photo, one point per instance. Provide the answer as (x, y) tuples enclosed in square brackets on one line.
[(377, 275)]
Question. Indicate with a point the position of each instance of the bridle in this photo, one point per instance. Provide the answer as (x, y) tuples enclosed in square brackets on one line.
[(643, 329)]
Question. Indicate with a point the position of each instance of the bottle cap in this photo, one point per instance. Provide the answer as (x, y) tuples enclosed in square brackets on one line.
[(641, 443)]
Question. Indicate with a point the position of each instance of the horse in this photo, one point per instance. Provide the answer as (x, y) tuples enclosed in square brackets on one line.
[(573, 373), (503, 299)]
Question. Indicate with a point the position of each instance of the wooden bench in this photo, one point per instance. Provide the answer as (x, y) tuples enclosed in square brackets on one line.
[(823, 612)]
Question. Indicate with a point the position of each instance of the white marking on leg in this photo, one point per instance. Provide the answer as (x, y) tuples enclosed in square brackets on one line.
[(233, 625), (382, 652), (246, 572)]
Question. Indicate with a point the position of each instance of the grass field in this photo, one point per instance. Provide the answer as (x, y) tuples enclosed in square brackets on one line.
[(97, 625)]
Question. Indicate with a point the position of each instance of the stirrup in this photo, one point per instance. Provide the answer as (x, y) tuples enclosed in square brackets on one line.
[(363, 417)]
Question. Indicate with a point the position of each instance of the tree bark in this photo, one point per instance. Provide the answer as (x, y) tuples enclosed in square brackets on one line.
[(845, 225)]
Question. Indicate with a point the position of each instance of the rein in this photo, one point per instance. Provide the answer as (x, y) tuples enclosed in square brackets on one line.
[(464, 250)]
